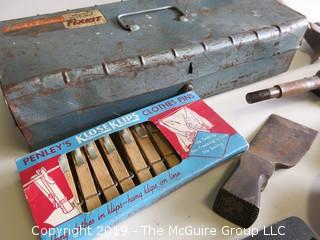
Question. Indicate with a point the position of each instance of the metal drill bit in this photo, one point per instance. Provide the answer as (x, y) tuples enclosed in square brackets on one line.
[(285, 89)]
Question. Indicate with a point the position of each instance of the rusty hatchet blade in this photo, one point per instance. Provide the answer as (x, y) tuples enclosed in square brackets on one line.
[(280, 143)]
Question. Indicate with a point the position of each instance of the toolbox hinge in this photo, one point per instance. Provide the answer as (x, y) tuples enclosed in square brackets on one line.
[(56, 81)]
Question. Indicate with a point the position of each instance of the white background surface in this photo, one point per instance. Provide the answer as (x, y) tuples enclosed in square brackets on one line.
[(293, 192)]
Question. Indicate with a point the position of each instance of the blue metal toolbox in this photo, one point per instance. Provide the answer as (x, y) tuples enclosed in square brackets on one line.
[(65, 72)]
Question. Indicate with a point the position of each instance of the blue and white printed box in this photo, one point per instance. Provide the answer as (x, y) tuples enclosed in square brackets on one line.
[(200, 137)]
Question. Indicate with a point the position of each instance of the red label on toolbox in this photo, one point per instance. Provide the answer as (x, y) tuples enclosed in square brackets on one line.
[(32, 24), (69, 21)]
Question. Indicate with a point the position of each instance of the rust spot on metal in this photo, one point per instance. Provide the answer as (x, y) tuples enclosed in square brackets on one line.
[(208, 37), (120, 46), (227, 65), (8, 55), (204, 11), (27, 134)]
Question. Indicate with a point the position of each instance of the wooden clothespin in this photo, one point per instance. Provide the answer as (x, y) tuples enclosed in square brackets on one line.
[(106, 183), (119, 169), (136, 160), (149, 151), (65, 167), (164, 147), (88, 188)]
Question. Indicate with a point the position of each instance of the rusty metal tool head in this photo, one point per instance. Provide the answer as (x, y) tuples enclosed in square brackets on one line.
[(312, 36), (286, 89), (289, 228), (280, 143)]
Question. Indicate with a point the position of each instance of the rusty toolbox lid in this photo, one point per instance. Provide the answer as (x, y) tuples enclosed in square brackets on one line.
[(38, 45), (55, 69)]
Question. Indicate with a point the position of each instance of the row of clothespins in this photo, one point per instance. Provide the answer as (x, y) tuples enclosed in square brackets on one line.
[(110, 166)]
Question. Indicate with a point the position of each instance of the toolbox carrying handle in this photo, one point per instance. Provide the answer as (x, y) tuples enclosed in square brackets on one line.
[(135, 27)]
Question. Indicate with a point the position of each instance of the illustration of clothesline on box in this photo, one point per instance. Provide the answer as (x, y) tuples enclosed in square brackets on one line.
[(185, 124)]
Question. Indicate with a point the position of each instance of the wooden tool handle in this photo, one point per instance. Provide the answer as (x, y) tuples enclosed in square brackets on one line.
[(239, 199)]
